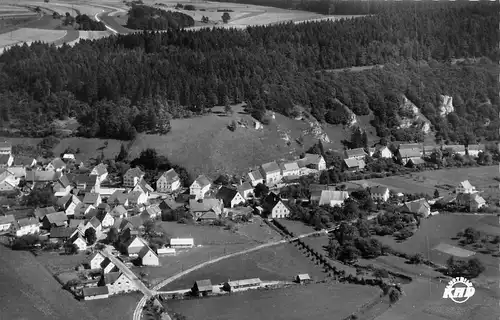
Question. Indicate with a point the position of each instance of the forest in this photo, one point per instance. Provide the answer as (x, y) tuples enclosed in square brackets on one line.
[(122, 85), (86, 23), (141, 17)]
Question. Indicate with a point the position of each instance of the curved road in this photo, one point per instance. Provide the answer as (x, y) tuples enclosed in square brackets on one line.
[(142, 302)]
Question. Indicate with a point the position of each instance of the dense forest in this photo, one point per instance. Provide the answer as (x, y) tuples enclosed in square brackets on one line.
[(121, 85), (141, 17), (86, 23)]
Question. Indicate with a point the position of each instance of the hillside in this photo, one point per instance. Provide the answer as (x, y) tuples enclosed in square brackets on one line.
[(30, 292)]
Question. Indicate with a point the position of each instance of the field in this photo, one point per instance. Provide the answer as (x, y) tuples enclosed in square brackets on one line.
[(89, 148), (30, 292), (315, 301), (56, 263), (114, 308), (29, 35), (297, 227), (282, 262)]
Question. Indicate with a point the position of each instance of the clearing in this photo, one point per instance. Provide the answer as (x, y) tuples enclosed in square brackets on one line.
[(314, 301)]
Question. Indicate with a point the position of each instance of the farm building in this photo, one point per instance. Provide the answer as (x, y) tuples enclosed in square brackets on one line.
[(169, 181), (465, 187), (354, 165), (473, 150), (200, 187), (42, 176), (271, 172), (101, 171), (246, 190), (407, 154), (315, 161), (27, 226), (55, 219), (148, 257), (117, 282), (96, 260), (420, 206), (415, 162), (332, 198), (274, 207), (166, 251), (230, 197), (132, 177), (202, 288), (357, 154), (379, 193), (290, 169), (302, 278), (181, 242), (93, 293), (233, 286), (206, 209), (255, 178), (85, 183), (472, 201)]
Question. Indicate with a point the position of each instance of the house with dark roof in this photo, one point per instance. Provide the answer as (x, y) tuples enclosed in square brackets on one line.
[(202, 288), (379, 193), (78, 240), (107, 266), (170, 204), (169, 181), (132, 177), (92, 198), (34, 176), (94, 223), (200, 187), (83, 210), (61, 233), (40, 213), (206, 209), (255, 178), (62, 186), (274, 208), (94, 293), (271, 172), (239, 285), (85, 183), (137, 198), (420, 207), (246, 190), (107, 220), (101, 171), (55, 219), (68, 204), (230, 197)]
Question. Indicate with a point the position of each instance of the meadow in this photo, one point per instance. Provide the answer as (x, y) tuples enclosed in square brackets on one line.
[(314, 301), (114, 308), (29, 35)]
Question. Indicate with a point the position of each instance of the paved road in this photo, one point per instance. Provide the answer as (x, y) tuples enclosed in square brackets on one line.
[(111, 24), (142, 302)]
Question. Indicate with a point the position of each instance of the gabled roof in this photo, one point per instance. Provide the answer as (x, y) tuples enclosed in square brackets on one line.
[(95, 291), (91, 197), (170, 176), (303, 277), (270, 167), (145, 251), (111, 277), (244, 282), (61, 233), (95, 222), (119, 197), (353, 163), (312, 158), (104, 207), (42, 212), (144, 186), (7, 219), (136, 221), (118, 211), (329, 195), (410, 153), (135, 172), (245, 186), (204, 285), (4, 158), (27, 222), (417, 161), (56, 217), (76, 223), (100, 169), (58, 163), (169, 204), (255, 175), (226, 195), (153, 210), (290, 166), (133, 196), (478, 147), (378, 190), (455, 147), (466, 184), (63, 181), (101, 215), (202, 181), (82, 179), (42, 176), (22, 161), (417, 205), (270, 201), (314, 187), (205, 205), (358, 152)]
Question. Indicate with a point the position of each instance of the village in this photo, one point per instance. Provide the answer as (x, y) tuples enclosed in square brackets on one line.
[(116, 224)]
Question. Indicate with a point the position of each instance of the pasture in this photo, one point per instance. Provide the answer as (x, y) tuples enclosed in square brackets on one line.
[(314, 301), (297, 227), (282, 262), (90, 148), (29, 35), (115, 307), (57, 263)]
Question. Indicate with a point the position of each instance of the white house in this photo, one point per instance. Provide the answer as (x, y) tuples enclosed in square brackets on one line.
[(134, 245), (56, 165), (137, 198), (379, 193), (332, 198), (274, 207), (230, 197), (315, 161), (132, 177), (200, 187), (382, 152), (181, 242), (106, 219), (255, 178), (246, 190), (465, 187), (143, 187), (95, 224), (108, 266), (473, 150), (166, 251), (119, 212), (271, 172), (101, 171), (27, 226), (290, 169), (118, 282), (92, 198), (96, 260), (78, 240), (148, 257), (169, 181)]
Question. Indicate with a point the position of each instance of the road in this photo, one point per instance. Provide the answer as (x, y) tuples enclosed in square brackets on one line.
[(142, 302)]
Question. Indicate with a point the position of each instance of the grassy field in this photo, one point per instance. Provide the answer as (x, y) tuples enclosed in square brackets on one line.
[(30, 292), (315, 301), (90, 148), (297, 227), (281, 262), (29, 35), (115, 307), (57, 263)]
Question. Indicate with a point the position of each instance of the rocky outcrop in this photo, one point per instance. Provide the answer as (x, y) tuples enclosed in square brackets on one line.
[(413, 117), (316, 131), (352, 116), (446, 106)]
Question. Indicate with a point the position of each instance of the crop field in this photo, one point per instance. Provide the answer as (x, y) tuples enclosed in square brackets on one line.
[(282, 262), (30, 35), (314, 301), (115, 307), (30, 292)]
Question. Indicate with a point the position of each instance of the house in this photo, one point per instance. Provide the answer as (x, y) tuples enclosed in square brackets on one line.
[(6, 160), (96, 260), (358, 154), (415, 162), (77, 223), (315, 190), (118, 212), (274, 207), (379, 193), (473, 150), (94, 293), (230, 197), (289, 169), (27, 226), (354, 165), (134, 245), (83, 210), (85, 183), (315, 161), (407, 154), (92, 198), (271, 172), (332, 198), (118, 282), (94, 223), (420, 207), (238, 285), (246, 190), (148, 257), (55, 219), (303, 278), (61, 234), (101, 171), (202, 288), (473, 201), (104, 207), (107, 266), (169, 181), (62, 186), (137, 198), (206, 209), (427, 150), (455, 149), (106, 219), (68, 157), (136, 221), (200, 187), (240, 212), (119, 198), (153, 211), (78, 240), (56, 165), (181, 242), (255, 178), (382, 152), (143, 187), (7, 223), (465, 187), (40, 213), (34, 176), (5, 147), (8, 182), (24, 162), (170, 204), (132, 177)]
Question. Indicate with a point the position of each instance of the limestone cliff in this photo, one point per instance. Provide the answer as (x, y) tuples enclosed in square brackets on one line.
[(446, 106)]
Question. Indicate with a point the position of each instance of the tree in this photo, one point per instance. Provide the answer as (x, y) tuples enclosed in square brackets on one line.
[(436, 193), (70, 248), (226, 17), (123, 155), (381, 273), (475, 267), (348, 253), (394, 295), (228, 109), (149, 228), (471, 235), (112, 236), (333, 248), (90, 236), (261, 190)]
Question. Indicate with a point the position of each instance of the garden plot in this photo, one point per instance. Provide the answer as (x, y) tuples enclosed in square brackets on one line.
[(29, 35)]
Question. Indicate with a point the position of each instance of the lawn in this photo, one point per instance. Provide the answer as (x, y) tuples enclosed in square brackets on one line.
[(115, 307), (30, 292), (314, 301), (56, 262), (281, 262)]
